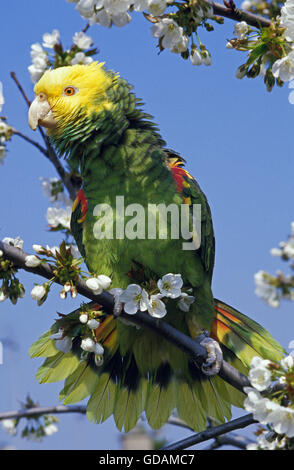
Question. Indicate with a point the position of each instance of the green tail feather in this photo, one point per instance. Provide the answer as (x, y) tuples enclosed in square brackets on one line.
[(151, 377)]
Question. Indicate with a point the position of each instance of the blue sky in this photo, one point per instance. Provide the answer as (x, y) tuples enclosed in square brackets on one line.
[(238, 142)]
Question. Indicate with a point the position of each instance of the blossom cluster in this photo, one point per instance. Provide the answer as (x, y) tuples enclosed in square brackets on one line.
[(135, 297), (36, 428), (51, 54), (276, 411), (170, 29), (11, 288), (67, 269), (85, 328), (274, 288), (59, 214)]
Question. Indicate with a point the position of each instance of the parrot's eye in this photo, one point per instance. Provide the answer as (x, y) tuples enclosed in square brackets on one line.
[(69, 91)]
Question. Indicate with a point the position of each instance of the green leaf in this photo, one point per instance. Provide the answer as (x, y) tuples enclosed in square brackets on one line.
[(43, 347), (259, 50), (80, 384), (57, 368)]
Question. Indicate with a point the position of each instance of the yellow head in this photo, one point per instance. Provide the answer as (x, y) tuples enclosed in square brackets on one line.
[(62, 93)]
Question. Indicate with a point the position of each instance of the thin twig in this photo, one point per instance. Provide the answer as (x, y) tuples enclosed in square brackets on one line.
[(212, 433), (29, 413), (31, 141), (14, 77), (49, 153), (256, 21), (230, 439), (190, 346)]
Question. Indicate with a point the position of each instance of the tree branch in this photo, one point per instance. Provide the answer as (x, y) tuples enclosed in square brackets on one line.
[(49, 153), (31, 141), (190, 346), (212, 433), (231, 439), (230, 11), (45, 410)]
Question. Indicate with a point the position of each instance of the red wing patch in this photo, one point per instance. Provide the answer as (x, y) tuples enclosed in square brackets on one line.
[(83, 201)]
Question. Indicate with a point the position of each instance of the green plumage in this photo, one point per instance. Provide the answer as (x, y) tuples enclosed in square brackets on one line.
[(119, 152)]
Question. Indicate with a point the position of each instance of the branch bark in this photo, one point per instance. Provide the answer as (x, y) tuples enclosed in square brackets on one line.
[(212, 433), (235, 14), (38, 411), (193, 348)]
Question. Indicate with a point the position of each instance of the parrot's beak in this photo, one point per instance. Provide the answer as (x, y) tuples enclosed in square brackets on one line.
[(40, 113)]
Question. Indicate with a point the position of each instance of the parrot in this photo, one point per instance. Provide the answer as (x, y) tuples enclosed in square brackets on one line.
[(95, 121)]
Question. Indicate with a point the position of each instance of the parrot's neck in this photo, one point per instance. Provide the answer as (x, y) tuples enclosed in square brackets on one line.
[(120, 167), (119, 162)]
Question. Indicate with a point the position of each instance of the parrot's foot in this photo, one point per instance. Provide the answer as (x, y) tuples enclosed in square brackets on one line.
[(214, 360), (118, 306)]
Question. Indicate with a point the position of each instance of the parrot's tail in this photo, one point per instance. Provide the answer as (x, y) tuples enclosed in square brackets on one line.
[(145, 373), (243, 336)]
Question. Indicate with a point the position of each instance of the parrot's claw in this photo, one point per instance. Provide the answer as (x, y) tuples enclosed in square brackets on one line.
[(214, 360)]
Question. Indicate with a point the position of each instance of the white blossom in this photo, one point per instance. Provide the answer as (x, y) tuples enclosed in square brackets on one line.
[(2, 296), (259, 374), (2, 101), (170, 285), (58, 216), (281, 419), (82, 40), (38, 292), (93, 324), (116, 7), (89, 345), (276, 252), (256, 404), (9, 426), (287, 362), (64, 344), (98, 350), (206, 58), (195, 57), (16, 242), (83, 318), (99, 283), (86, 8), (134, 298), (185, 302), (39, 62), (31, 261), (241, 29), (81, 58), (170, 32), (50, 40), (50, 429), (287, 19), (156, 7), (265, 290), (156, 308), (284, 68)]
